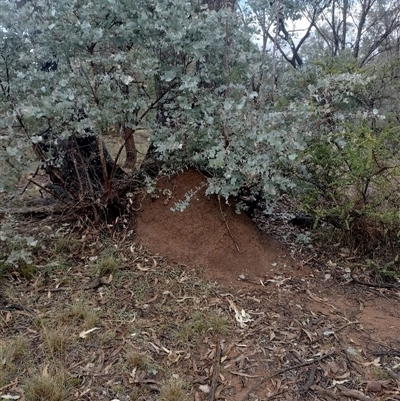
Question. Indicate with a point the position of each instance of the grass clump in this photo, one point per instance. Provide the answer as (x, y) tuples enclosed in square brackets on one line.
[(138, 360), (200, 324), (173, 390), (81, 312), (11, 353), (45, 386), (107, 265), (66, 245), (56, 340)]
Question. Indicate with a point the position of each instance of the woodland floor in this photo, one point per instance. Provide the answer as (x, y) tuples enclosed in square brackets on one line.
[(193, 305)]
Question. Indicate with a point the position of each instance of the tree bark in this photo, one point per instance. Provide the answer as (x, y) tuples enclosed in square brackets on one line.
[(80, 167), (127, 135)]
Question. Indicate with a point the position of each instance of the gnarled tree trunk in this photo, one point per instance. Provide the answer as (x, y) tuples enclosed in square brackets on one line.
[(81, 170)]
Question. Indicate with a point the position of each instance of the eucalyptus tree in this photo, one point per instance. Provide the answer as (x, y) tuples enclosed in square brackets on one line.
[(365, 28), (70, 70), (277, 21)]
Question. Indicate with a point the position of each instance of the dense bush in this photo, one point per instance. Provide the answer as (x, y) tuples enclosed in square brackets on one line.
[(195, 79)]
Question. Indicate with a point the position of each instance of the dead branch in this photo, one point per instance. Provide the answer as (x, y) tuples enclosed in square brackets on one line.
[(227, 226), (279, 372), (310, 380), (215, 375), (358, 395), (374, 285)]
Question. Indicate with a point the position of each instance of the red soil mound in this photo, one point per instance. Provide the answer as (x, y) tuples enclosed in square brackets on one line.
[(199, 236)]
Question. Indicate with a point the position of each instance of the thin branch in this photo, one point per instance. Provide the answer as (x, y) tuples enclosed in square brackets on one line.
[(155, 103), (226, 223), (52, 193), (103, 162), (26, 186), (279, 372), (216, 369)]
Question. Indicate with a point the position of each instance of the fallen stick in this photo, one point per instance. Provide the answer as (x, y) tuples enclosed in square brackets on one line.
[(279, 372), (358, 395), (310, 380), (393, 375), (215, 375), (227, 226)]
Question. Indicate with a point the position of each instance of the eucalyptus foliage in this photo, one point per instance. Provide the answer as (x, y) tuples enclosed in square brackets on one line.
[(73, 68), (182, 71)]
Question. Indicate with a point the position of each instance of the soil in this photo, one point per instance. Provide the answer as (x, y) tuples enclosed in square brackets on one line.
[(234, 313), (228, 248)]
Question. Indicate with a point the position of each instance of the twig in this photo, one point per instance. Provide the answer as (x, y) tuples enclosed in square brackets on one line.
[(26, 186), (52, 193), (358, 395), (335, 331), (214, 380), (279, 372), (324, 391), (310, 380), (393, 375), (346, 325), (245, 375), (226, 223), (374, 285)]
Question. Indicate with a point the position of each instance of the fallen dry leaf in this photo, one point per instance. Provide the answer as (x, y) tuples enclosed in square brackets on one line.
[(84, 334), (374, 386)]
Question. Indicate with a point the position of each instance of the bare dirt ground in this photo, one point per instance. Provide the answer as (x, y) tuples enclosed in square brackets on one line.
[(193, 305), (230, 250)]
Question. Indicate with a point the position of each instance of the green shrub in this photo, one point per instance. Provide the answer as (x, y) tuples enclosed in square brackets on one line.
[(353, 181)]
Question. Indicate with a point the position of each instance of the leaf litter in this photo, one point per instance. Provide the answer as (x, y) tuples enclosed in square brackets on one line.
[(149, 322)]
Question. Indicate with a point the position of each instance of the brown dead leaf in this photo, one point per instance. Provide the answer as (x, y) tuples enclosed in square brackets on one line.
[(374, 386), (375, 362), (309, 335), (315, 298), (334, 367), (358, 395), (333, 370)]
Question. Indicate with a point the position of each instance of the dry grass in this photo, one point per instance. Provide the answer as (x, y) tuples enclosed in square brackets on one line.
[(80, 313), (151, 332), (49, 386), (173, 389), (106, 265), (138, 360), (12, 353), (201, 324), (56, 341)]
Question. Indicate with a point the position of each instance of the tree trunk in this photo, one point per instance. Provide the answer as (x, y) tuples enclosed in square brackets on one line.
[(81, 168), (127, 135), (130, 149)]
